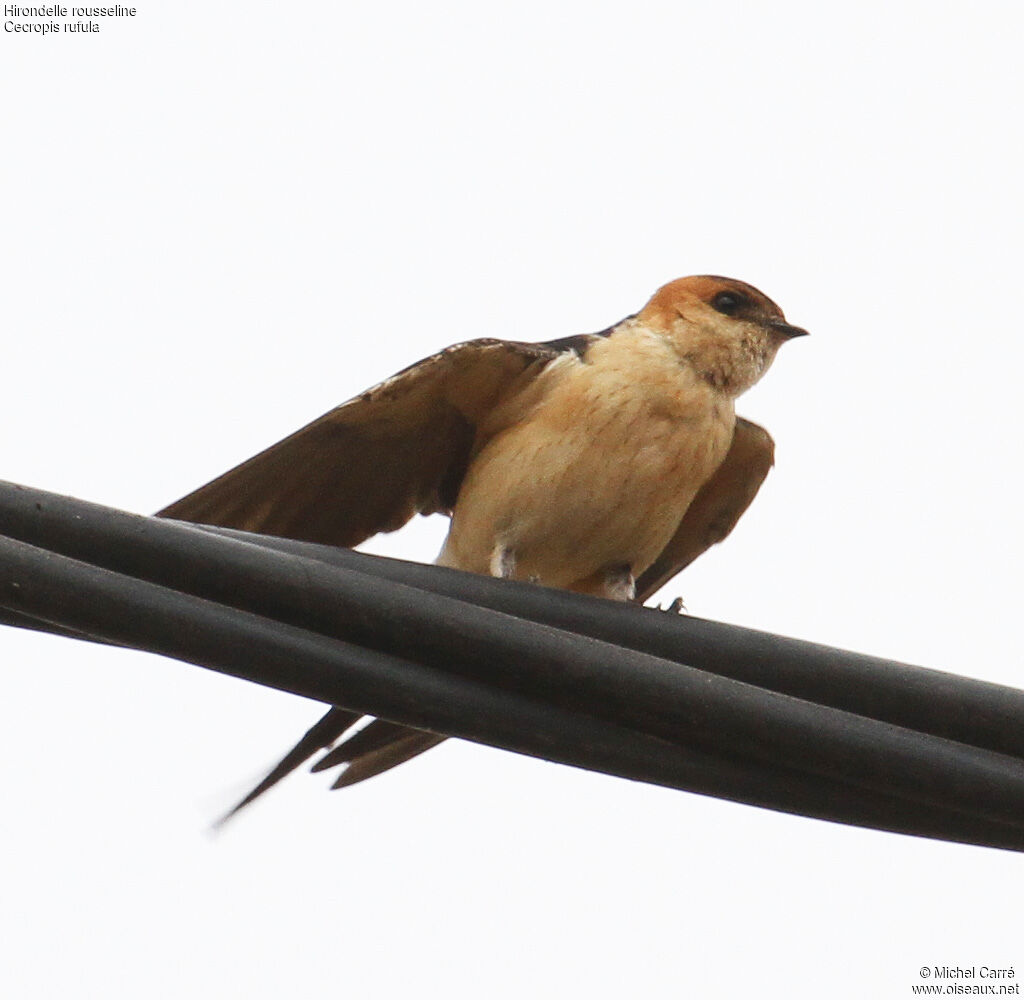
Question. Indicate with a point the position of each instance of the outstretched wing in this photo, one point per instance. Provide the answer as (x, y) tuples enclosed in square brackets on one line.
[(369, 465), (716, 508)]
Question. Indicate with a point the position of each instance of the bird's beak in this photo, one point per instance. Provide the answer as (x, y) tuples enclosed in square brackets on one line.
[(782, 329)]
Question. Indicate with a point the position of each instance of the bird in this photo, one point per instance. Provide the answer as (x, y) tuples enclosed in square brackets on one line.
[(601, 463)]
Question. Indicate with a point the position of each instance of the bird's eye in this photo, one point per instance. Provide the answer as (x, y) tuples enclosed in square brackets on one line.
[(728, 302)]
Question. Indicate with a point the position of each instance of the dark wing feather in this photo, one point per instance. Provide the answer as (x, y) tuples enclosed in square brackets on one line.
[(717, 507), (369, 465)]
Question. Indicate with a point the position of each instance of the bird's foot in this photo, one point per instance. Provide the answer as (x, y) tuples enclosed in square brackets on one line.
[(503, 562), (619, 583), (675, 608)]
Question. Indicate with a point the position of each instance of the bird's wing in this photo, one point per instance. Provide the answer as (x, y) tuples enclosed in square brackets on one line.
[(716, 508), (369, 465)]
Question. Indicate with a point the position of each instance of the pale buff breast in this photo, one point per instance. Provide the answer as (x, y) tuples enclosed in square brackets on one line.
[(599, 473)]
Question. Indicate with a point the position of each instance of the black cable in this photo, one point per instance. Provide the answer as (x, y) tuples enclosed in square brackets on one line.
[(369, 644)]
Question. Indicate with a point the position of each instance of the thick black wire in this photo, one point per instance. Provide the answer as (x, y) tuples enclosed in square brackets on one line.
[(181, 591), (131, 612)]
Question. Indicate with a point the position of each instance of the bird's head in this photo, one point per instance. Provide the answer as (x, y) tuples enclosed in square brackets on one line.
[(725, 329)]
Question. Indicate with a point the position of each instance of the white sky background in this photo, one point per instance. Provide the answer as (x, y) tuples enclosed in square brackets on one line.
[(220, 219)]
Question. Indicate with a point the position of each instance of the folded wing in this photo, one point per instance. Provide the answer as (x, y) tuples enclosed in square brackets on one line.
[(717, 507)]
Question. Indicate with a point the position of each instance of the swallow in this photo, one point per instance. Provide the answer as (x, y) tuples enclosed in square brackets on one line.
[(602, 463)]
